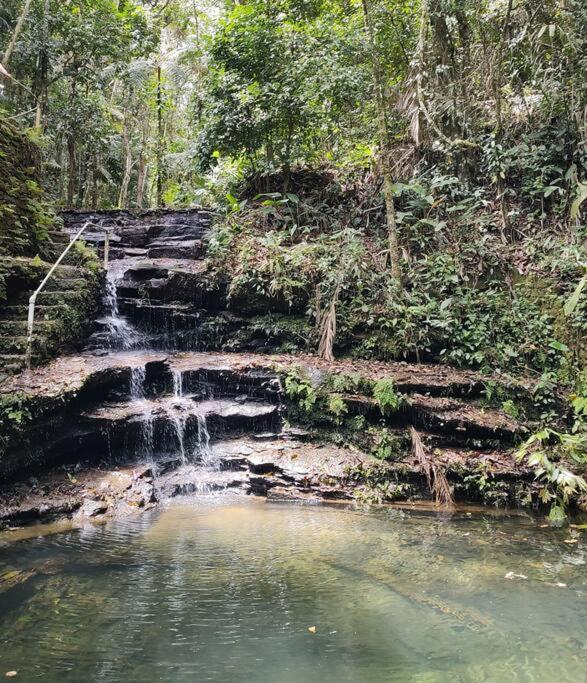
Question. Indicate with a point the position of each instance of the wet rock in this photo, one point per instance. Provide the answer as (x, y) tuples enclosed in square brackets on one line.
[(92, 508), (66, 402), (260, 485), (284, 494), (189, 479), (34, 510), (462, 419)]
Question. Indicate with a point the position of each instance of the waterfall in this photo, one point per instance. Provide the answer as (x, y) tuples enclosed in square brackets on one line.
[(137, 382), (137, 393), (178, 420), (177, 382), (121, 334), (208, 458), (165, 426), (147, 434), (203, 438)]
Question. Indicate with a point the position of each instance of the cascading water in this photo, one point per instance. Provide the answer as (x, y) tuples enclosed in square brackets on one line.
[(120, 334), (137, 393), (205, 453), (137, 382), (178, 418), (177, 377), (167, 424)]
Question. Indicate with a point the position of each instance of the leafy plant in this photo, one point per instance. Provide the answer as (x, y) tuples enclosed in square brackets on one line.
[(299, 389), (337, 406), (387, 398), (544, 451)]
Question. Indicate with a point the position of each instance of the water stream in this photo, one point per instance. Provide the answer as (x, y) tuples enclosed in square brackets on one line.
[(120, 334), (137, 382), (226, 589), (137, 395), (177, 377)]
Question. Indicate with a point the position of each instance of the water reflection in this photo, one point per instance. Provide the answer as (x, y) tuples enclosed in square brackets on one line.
[(225, 589)]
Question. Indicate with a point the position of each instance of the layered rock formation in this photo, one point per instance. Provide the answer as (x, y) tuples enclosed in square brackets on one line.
[(151, 398)]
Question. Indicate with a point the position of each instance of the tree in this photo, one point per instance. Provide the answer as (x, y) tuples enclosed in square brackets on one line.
[(16, 33), (384, 141), (275, 82)]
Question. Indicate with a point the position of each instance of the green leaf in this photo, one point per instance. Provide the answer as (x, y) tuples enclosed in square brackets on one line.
[(559, 346), (579, 199), (573, 300)]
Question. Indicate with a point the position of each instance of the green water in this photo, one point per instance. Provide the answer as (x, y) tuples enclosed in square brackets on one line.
[(224, 589)]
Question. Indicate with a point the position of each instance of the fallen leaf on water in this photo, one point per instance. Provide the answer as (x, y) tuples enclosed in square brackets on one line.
[(312, 629), (10, 674)]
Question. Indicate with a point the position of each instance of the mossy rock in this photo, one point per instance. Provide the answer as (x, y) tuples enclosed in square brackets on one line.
[(24, 220)]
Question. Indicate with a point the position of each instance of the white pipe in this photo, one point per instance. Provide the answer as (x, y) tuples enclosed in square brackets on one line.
[(33, 297)]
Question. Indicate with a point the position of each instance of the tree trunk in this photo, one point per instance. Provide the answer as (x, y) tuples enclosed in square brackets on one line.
[(122, 196), (497, 86), (94, 192), (159, 192), (385, 148), (71, 170), (142, 161), (17, 29), (42, 73)]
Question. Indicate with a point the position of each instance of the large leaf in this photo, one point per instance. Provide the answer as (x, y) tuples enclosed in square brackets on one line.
[(573, 300), (579, 199)]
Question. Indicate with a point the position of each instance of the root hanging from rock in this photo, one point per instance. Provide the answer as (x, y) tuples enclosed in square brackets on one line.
[(328, 329), (435, 476)]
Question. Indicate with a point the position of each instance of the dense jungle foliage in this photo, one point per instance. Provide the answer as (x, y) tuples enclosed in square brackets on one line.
[(407, 179)]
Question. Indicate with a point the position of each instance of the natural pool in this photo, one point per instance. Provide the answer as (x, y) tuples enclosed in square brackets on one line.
[(225, 589)]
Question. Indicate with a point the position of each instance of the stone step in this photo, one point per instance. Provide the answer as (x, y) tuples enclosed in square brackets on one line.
[(171, 425), (160, 318), (225, 381), (19, 327), (11, 362), (50, 252), (16, 345), (59, 236), (42, 312), (65, 271), (53, 297), (63, 284), (176, 249)]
